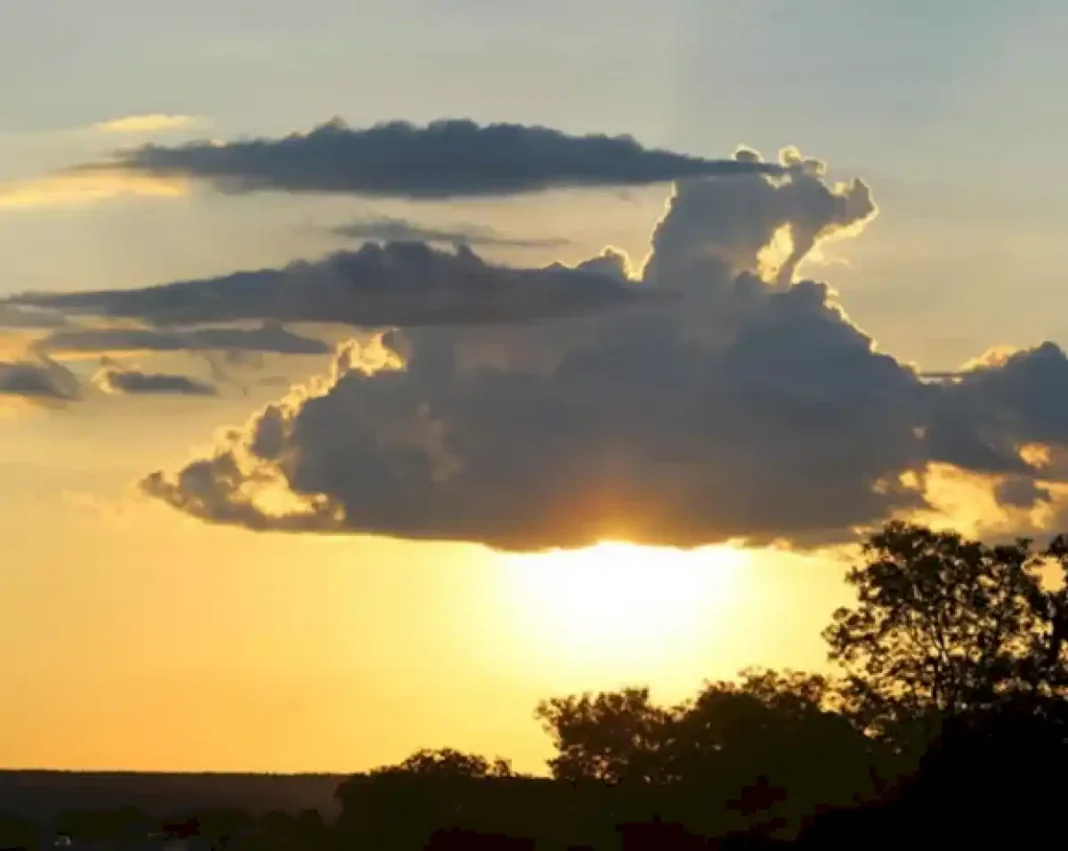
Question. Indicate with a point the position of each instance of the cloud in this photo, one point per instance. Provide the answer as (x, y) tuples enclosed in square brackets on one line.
[(154, 122), (87, 186), (100, 509), (400, 283), (30, 318), (1000, 406), (750, 408), (134, 382), (447, 158), (271, 338), (402, 230), (41, 380), (658, 425)]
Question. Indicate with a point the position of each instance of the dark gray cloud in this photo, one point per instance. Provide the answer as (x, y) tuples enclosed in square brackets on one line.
[(447, 158), (752, 408), (30, 318), (40, 379), (988, 411), (465, 233), (398, 284), (640, 435), (269, 338), (1021, 492), (137, 383), (641, 429)]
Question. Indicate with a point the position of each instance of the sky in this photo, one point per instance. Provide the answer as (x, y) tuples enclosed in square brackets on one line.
[(419, 563)]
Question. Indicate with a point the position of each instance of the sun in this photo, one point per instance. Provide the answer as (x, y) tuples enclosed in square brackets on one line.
[(616, 603)]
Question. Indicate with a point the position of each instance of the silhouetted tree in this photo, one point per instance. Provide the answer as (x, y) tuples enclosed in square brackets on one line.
[(771, 750), (447, 762), (945, 625), (401, 806), (222, 825), (613, 737), (768, 749)]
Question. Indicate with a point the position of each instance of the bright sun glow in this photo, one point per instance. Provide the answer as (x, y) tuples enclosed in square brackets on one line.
[(617, 602)]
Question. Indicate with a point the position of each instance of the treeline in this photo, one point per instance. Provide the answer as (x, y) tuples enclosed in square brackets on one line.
[(945, 720), (220, 827), (42, 794)]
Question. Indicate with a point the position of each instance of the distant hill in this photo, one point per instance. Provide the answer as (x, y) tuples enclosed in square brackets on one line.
[(42, 794)]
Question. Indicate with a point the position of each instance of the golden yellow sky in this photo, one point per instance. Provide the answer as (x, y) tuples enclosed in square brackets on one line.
[(146, 640), (156, 643), (134, 637)]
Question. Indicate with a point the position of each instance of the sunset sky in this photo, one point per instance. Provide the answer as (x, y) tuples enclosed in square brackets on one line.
[(396, 544)]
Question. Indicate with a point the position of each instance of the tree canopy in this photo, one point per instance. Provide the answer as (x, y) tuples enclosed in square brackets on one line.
[(944, 625)]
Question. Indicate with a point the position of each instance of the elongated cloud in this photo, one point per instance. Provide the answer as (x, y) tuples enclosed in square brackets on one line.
[(405, 284), (135, 382), (78, 187), (30, 318), (153, 122), (270, 338), (402, 230), (447, 158), (41, 380)]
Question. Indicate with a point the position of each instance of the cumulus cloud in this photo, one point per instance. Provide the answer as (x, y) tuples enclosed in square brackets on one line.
[(270, 338), (447, 158), (153, 122), (751, 408), (402, 230), (646, 428), (400, 283), (134, 382)]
